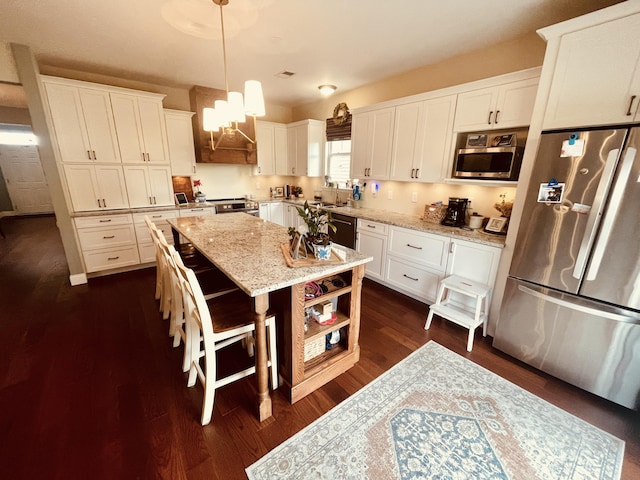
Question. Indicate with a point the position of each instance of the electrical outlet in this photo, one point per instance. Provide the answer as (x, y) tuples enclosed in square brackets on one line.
[(414, 197), (390, 194)]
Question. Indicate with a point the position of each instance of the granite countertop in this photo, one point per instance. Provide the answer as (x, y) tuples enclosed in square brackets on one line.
[(247, 249), (97, 213), (409, 221)]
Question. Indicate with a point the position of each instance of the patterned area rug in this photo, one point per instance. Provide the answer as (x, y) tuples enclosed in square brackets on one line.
[(436, 415)]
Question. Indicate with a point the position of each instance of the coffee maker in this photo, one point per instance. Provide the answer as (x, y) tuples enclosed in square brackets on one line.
[(456, 212)]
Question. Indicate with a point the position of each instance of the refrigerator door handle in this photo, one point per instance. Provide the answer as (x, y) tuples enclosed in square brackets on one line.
[(612, 210), (579, 306), (595, 214)]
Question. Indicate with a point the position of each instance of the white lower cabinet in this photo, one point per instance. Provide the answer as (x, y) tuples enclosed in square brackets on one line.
[(272, 212), (107, 242), (372, 240), (475, 261), (146, 248), (416, 261)]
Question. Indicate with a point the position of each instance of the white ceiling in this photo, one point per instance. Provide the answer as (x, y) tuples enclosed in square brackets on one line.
[(347, 43)]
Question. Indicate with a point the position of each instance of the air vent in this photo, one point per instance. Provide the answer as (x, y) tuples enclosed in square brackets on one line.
[(285, 74)]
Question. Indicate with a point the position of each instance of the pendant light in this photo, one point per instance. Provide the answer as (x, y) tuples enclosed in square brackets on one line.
[(226, 114)]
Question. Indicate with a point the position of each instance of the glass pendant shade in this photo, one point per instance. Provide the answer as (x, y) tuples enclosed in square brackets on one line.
[(222, 111), (253, 98)]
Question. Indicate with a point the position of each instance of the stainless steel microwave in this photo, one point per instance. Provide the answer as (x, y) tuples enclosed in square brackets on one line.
[(489, 157)]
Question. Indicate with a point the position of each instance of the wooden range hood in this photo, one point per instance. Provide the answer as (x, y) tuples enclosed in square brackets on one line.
[(234, 149)]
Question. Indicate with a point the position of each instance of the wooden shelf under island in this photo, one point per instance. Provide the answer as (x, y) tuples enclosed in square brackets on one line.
[(302, 376)]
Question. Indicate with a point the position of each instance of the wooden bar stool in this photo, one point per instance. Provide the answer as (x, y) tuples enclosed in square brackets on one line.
[(447, 308)]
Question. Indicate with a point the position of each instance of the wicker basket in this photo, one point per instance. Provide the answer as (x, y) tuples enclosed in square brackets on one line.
[(434, 213), (314, 348)]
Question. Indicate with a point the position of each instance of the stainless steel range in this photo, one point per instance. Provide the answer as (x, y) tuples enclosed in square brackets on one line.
[(231, 205)]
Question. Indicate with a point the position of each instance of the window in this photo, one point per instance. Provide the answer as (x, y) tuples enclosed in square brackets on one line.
[(339, 161)]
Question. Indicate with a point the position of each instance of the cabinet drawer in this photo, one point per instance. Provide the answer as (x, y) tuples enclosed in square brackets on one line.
[(103, 220), (372, 227), (95, 238), (144, 235), (155, 216), (107, 259), (197, 211), (424, 248), (421, 282)]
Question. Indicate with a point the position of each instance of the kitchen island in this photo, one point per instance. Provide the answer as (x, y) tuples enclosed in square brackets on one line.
[(248, 250)]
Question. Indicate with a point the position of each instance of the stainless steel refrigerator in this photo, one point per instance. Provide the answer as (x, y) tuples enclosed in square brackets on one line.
[(571, 306)]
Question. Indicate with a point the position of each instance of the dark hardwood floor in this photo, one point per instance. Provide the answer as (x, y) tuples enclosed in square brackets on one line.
[(90, 386)]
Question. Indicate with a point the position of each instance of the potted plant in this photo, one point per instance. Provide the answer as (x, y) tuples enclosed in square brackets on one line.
[(316, 239), (199, 196)]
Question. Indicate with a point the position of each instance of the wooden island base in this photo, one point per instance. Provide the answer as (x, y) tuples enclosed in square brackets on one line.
[(305, 363)]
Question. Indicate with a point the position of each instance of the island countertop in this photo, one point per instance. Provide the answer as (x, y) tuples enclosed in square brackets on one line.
[(247, 249)]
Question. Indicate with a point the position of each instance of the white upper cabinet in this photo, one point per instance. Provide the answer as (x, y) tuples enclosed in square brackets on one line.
[(371, 143), (96, 187), (140, 127), (305, 147), (502, 106), (271, 139), (148, 185), (421, 139), (597, 76), (180, 144), (83, 123)]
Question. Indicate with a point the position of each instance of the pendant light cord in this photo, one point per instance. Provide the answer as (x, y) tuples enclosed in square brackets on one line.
[(224, 50)]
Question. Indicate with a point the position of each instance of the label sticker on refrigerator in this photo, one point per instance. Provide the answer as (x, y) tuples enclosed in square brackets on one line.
[(581, 208), (572, 148)]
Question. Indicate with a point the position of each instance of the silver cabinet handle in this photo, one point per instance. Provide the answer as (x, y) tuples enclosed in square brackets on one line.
[(495, 120), (410, 278), (489, 119), (413, 246), (633, 97)]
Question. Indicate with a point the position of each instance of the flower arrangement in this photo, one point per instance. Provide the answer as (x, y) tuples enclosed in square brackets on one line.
[(197, 184), (504, 207)]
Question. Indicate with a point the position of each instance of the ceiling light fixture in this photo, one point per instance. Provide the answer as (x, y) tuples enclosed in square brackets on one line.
[(327, 90), (226, 114)]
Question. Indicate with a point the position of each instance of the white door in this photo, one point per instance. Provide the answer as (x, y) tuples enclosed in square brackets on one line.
[(152, 127), (161, 185), (25, 180)]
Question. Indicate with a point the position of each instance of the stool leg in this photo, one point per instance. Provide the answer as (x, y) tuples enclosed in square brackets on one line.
[(470, 340), (429, 318)]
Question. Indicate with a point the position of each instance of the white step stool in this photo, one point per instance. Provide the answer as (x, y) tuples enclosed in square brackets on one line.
[(458, 314)]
